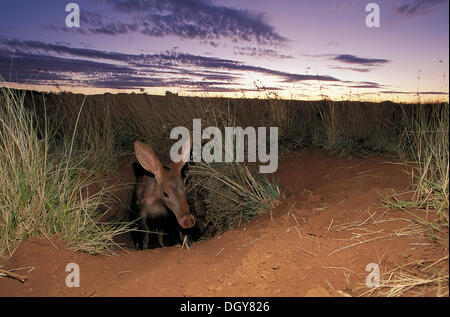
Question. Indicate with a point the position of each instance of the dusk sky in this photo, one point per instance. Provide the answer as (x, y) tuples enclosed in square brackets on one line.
[(253, 48)]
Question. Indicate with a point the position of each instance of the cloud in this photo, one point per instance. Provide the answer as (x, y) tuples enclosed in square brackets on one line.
[(317, 55), (260, 52), (60, 64), (170, 59), (348, 59), (191, 19), (42, 47), (210, 43), (366, 64), (418, 7), (397, 92), (361, 70), (352, 59), (366, 85), (28, 68), (135, 82), (357, 84)]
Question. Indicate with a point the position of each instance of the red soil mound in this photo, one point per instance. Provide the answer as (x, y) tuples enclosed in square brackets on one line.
[(317, 242)]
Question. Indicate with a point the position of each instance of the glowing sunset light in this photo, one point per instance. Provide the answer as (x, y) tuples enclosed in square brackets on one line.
[(288, 49)]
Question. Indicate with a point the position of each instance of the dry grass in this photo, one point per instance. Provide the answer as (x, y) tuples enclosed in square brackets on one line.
[(231, 193), (45, 192), (426, 140), (98, 132), (416, 278)]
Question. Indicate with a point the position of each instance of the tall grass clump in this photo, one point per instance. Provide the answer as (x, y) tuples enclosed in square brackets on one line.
[(424, 143), (229, 193), (89, 128), (43, 191), (358, 128)]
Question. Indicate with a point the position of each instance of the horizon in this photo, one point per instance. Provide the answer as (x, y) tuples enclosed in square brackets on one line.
[(237, 49)]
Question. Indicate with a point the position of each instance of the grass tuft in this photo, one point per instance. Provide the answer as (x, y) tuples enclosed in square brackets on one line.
[(233, 193), (43, 191)]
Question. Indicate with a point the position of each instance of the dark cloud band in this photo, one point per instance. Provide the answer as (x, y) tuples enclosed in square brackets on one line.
[(191, 19), (352, 59), (418, 7), (126, 71)]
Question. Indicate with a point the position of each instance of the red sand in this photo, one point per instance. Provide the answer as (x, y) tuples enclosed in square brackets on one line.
[(284, 253)]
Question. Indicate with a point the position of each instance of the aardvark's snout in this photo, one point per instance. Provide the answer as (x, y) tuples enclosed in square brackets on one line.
[(187, 221)]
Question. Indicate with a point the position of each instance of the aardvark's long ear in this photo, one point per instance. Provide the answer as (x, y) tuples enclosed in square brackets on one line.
[(148, 159), (185, 152)]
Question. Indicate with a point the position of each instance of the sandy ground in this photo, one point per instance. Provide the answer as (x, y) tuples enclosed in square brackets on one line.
[(317, 242)]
